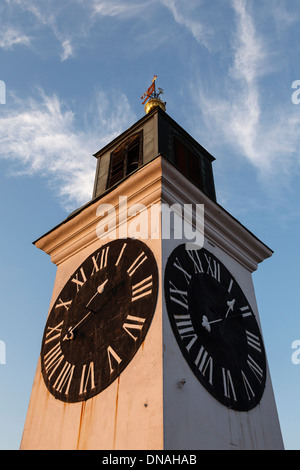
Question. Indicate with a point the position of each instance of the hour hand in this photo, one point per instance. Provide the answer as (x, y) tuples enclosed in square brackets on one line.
[(206, 324)]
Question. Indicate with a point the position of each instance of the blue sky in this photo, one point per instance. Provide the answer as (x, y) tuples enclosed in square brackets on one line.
[(74, 73)]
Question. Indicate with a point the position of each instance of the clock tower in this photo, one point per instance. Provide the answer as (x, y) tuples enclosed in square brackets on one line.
[(153, 339)]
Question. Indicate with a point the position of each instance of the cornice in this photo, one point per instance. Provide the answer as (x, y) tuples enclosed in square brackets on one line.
[(80, 230), (157, 182), (220, 228)]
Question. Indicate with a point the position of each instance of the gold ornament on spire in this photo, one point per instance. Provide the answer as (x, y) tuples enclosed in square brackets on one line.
[(153, 96)]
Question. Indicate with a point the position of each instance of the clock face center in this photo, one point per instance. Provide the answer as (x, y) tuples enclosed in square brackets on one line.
[(95, 323)]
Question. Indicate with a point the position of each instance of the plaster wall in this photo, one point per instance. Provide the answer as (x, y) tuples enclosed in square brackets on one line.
[(129, 413), (145, 408), (193, 419)]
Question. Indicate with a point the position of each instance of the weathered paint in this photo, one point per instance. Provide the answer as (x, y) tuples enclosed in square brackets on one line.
[(116, 413), (145, 408)]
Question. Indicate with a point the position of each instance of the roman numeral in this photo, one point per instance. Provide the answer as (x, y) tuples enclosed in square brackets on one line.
[(61, 303), (179, 296), (185, 273), (256, 369), (186, 329), (53, 360), (194, 255), (204, 362), (65, 378), (121, 254), (253, 341), (230, 285), (137, 324), (213, 268), (100, 261), (79, 282), (228, 387), (184, 325), (112, 355), (141, 289), (87, 378), (53, 332), (248, 388), (246, 312), (137, 263)]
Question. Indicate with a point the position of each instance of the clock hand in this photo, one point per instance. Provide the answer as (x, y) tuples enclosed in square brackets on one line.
[(206, 324), (70, 334), (100, 289), (230, 304)]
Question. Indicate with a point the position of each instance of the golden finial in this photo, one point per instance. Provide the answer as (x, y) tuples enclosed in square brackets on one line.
[(153, 97)]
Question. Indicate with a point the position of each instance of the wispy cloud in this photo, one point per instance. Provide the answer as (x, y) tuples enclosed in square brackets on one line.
[(67, 50), (45, 14), (285, 15), (42, 137), (268, 139), (85, 15), (248, 66), (123, 9), (249, 50), (72, 22), (10, 37), (70, 28), (198, 30)]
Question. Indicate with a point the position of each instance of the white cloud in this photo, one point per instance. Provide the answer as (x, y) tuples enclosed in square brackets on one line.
[(46, 14), (285, 15), (41, 137), (67, 50), (123, 9), (250, 53), (200, 32), (72, 22), (249, 61), (269, 139), (69, 26), (11, 37)]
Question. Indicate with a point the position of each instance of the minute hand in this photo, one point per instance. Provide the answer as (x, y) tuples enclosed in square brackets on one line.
[(100, 289), (230, 304)]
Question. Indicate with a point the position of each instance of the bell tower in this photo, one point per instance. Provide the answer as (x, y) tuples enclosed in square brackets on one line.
[(151, 343)]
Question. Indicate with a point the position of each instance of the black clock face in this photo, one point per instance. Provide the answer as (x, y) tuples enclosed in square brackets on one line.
[(99, 320), (215, 328)]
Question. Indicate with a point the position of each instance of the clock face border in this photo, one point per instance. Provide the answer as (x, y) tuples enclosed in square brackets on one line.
[(187, 270), (127, 271)]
